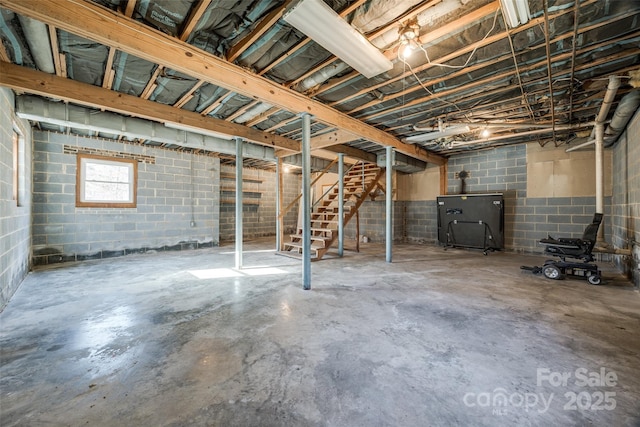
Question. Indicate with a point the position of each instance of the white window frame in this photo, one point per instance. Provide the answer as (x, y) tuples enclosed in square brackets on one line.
[(86, 159), (19, 166)]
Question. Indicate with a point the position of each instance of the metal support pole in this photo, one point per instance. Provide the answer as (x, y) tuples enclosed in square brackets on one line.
[(340, 204), (389, 202), (306, 201), (239, 162), (278, 201)]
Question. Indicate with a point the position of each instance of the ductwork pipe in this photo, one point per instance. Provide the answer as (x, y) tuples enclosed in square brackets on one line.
[(626, 109), (252, 113), (37, 37), (320, 76)]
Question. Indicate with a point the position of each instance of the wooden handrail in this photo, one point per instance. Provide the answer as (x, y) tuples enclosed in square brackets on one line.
[(294, 201)]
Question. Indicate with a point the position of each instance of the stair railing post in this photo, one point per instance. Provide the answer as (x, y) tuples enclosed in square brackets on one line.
[(340, 204)]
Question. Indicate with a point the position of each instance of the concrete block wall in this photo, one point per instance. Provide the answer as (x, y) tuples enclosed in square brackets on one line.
[(373, 221), (15, 216), (499, 170), (175, 190), (259, 208), (626, 199), (420, 221)]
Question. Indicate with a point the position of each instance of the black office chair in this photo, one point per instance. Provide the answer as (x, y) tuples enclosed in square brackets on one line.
[(577, 248)]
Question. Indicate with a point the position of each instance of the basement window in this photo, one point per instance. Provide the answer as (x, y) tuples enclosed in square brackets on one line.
[(106, 182), (19, 176)]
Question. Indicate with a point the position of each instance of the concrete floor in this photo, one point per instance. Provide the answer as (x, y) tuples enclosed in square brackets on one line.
[(435, 338)]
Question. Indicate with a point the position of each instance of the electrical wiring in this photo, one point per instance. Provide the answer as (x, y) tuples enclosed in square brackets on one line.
[(426, 54), (473, 52)]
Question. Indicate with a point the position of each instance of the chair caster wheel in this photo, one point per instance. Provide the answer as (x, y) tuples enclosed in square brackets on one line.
[(594, 280)]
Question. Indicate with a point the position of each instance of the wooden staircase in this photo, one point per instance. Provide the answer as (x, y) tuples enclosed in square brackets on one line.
[(359, 182)]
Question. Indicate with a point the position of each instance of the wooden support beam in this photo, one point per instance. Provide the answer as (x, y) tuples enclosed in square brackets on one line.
[(352, 152), (332, 138), (193, 18), (39, 83), (92, 21), (55, 49)]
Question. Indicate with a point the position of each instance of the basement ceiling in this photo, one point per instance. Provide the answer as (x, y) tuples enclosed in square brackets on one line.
[(236, 68)]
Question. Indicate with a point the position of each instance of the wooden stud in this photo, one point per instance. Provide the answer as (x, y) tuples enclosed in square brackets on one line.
[(109, 73), (193, 18), (107, 27), (4, 56), (129, 8), (267, 22), (188, 96), (55, 50), (63, 65)]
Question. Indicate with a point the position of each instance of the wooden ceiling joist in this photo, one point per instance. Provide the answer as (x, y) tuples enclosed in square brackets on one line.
[(193, 18), (92, 21), (269, 21), (109, 73), (43, 84)]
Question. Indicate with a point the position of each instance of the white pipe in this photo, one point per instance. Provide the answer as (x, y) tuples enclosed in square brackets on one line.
[(610, 94), (498, 138), (515, 125), (579, 146), (547, 129), (600, 174)]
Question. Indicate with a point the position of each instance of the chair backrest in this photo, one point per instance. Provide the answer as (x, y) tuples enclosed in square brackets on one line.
[(591, 232)]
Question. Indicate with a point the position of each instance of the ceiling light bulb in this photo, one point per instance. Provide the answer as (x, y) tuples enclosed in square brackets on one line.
[(407, 50), (485, 133)]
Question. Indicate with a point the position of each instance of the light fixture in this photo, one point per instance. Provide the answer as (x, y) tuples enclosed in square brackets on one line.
[(323, 25), (485, 133), (516, 12), (408, 36), (430, 136), (407, 50)]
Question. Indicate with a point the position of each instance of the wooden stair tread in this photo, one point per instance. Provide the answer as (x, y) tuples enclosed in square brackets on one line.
[(318, 238), (298, 245), (295, 255)]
